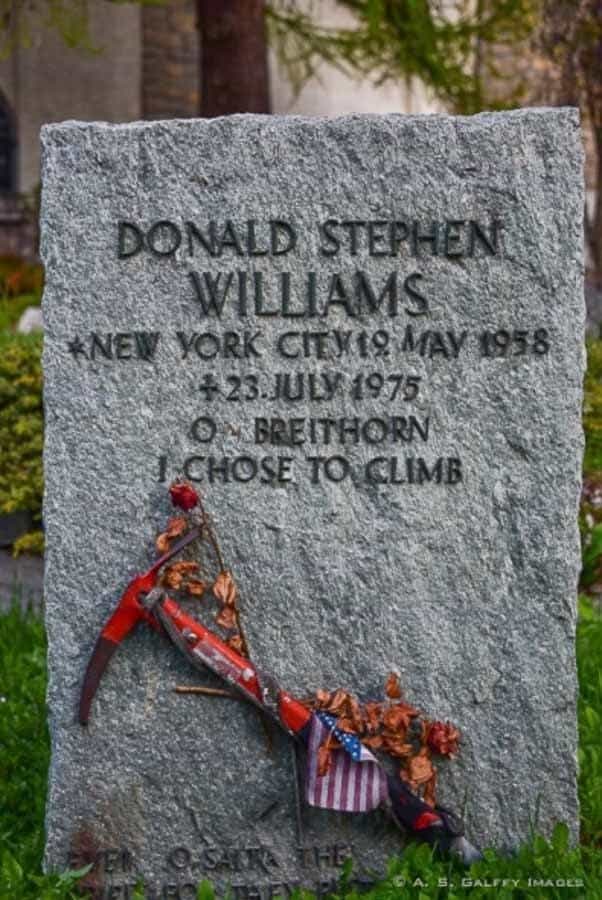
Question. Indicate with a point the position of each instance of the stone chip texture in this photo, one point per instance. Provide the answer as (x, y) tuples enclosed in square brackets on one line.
[(468, 590)]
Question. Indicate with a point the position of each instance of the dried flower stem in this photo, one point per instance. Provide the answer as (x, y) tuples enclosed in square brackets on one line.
[(211, 535), (206, 691), (209, 531)]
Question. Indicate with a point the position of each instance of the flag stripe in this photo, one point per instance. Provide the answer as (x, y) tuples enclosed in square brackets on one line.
[(355, 781)]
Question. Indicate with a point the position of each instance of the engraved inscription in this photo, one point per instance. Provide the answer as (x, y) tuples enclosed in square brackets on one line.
[(388, 360)]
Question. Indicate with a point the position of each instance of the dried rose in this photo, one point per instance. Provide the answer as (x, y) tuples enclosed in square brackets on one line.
[(183, 495), (443, 738)]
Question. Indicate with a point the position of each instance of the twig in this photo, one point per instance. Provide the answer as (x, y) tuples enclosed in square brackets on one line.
[(207, 691), (298, 795), (206, 528), (211, 534)]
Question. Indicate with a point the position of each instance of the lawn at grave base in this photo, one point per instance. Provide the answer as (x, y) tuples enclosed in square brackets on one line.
[(24, 757)]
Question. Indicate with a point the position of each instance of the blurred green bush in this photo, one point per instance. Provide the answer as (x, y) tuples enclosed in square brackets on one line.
[(22, 431), (21, 414), (590, 518), (592, 409)]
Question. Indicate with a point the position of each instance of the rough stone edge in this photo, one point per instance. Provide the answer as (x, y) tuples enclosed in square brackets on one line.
[(571, 113)]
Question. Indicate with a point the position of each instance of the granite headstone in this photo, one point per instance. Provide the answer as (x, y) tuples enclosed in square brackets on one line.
[(362, 339)]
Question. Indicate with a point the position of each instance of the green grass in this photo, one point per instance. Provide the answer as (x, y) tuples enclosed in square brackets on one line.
[(24, 755), (589, 661)]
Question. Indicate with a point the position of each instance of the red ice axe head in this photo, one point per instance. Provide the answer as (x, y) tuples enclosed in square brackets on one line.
[(129, 612)]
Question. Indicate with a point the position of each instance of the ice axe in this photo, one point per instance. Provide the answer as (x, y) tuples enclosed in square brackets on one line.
[(144, 601)]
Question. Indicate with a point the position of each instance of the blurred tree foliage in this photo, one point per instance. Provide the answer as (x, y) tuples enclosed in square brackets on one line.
[(444, 43), (20, 20), (571, 39), (447, 45)]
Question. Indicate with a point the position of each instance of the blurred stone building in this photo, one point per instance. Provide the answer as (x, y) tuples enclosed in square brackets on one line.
[(146, 66)]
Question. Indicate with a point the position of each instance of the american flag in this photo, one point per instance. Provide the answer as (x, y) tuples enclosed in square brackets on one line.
[(355, 781)]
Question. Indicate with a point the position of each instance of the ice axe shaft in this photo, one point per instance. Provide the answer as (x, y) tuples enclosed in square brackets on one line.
[(205, 650)]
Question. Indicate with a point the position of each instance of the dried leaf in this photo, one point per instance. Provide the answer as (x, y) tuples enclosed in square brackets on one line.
[(398, 717), (162, 543), (195, 587), (224, 589), (172, 578), (372, 717), (176, 526), (375, 742), (338, 703), (354, 712), (393, 687), (346, 724), (226, 617), (184, 567), (322, 699), (236, 643), (332, 742), (430, 789), (421, 729), (420, 768), (324, 754), (396, 746)]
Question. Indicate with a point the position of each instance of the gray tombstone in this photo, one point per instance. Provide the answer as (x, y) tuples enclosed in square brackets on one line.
[(362, 338)]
